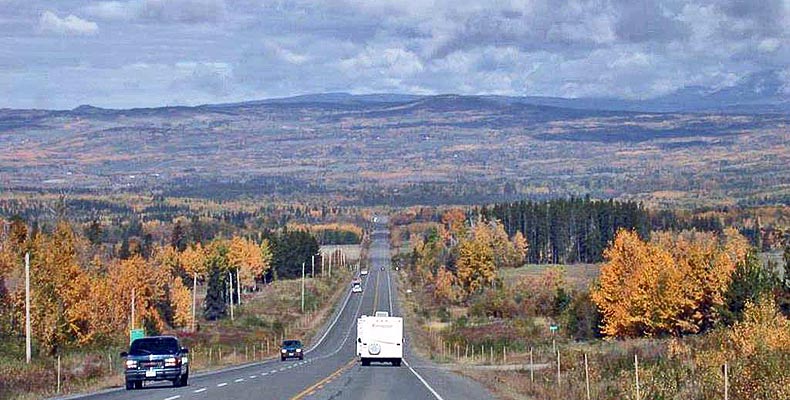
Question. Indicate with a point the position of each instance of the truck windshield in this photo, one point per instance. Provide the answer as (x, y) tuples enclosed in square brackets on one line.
[(292, 343), (154, 346)]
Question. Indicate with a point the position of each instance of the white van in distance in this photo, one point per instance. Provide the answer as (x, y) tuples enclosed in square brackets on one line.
[(380, 338)]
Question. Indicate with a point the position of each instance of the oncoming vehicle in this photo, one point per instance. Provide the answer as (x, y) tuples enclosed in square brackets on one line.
[(356, 288), (356, 281), (156, 358), (363, 272), (291, 349)]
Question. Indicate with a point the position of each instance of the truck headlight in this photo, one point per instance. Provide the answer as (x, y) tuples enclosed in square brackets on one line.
[(131, 364), (298, 350), (171, 362), (284, 351)]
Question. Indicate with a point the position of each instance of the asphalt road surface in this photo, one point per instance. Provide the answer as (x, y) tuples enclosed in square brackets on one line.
[(330, 369)]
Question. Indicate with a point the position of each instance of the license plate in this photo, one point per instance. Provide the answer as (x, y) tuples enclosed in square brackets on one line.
[(150, 374)]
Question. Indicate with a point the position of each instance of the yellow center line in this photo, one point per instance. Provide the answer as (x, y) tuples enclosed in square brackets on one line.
[(324, 381)]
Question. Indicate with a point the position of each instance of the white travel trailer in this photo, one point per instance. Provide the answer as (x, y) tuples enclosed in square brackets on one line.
[(380, 338)]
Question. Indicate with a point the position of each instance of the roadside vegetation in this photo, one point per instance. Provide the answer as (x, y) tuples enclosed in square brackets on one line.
[(674, 305), (241, 278)]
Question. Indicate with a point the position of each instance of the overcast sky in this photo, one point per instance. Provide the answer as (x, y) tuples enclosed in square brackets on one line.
[(133, 53)]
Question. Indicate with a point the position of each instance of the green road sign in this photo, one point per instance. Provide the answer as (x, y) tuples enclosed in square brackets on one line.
[(135, 334), (554, 328)]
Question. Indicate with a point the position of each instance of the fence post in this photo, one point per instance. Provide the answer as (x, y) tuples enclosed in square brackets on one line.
[(109, 359), (586, 376), (726, 382), (636, 374), (531, 367), (558, 369), (504, 355)]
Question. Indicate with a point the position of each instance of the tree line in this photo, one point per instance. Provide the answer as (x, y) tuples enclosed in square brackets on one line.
[(563, 231)]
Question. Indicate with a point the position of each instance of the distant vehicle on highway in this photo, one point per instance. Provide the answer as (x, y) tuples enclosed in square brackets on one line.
[(291, 349), (356, 281), (156, 358), (356, 288), (382, 268), (363, 272)]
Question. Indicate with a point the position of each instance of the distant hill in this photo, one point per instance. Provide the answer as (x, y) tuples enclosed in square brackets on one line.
[(403, 149)]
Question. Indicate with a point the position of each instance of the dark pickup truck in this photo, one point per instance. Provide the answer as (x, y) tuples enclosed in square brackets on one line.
[(156, 358)]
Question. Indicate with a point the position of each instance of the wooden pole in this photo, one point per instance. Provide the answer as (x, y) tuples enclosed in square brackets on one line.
[(194, 300), (28, 351), (58, 373), (558, 369), (587, 376), (531, 367), (636, 374)]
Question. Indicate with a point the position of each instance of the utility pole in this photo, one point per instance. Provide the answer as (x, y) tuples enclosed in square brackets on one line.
[(312, 274), (27, 308), (133, 308), (322, 265), (238, 285), (230, 275), (194, 299), (302, 288)]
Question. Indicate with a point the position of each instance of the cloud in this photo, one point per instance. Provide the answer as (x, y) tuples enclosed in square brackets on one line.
[(154, 11), (70, 25)]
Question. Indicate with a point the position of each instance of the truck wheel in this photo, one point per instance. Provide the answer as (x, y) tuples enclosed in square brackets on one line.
[(184, 379), (129, 385), (138, 384)]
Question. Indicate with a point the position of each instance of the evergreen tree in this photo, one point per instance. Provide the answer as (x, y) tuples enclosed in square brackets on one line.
[(750, 281), (214, 306), (178, 238), (94, 232)]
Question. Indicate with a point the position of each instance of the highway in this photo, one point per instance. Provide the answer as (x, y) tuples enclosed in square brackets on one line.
[(330, 369)]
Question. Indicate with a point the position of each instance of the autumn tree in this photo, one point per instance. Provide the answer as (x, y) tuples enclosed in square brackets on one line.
[(639, 291), (180, 303), (475, 266), (193, 259), (444, 286), (247, 258)]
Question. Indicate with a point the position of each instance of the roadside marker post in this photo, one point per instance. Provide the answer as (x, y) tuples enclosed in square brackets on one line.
[(28, 352)]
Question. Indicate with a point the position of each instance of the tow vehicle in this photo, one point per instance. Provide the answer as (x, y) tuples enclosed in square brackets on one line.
[(156, 358)]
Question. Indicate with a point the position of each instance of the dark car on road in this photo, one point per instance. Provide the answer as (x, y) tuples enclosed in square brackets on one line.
[(156, 358), (291, 349)]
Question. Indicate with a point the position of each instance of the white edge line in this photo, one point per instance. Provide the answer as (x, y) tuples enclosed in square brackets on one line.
[(332, 325), (433, 392)]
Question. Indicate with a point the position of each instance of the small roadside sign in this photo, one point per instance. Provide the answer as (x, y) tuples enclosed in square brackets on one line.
[(553, 328), (135, 334)]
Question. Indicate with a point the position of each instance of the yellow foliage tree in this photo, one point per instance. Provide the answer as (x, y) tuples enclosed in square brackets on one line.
[(444, 285), (247, 257), (193, 259), (181, 303), (640, 292), (521, 246), (475, 265)]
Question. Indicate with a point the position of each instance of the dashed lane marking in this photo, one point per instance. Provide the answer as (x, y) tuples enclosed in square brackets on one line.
[(253, 376), (173, 397), (199, 390), (264, 374), (239, 380), (222, 384)]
